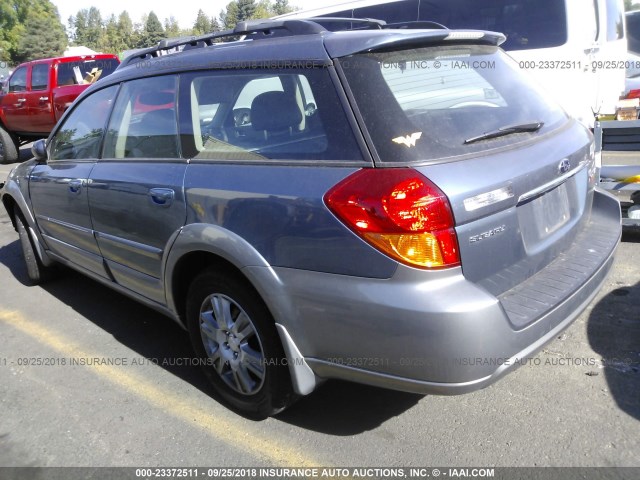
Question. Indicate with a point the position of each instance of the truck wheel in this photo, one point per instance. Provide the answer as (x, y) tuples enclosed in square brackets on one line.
[(37, 272), (234, 335), (8, 149)]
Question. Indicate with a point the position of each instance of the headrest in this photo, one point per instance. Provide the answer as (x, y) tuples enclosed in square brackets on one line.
[(273, 111)]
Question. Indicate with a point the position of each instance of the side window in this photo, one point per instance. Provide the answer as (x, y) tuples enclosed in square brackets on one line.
[(615, 20), (143, 124), (40, 77), (81, 134), (18, 81), (266, 115)]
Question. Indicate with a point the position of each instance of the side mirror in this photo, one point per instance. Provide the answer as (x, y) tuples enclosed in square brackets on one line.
[(39, 150)]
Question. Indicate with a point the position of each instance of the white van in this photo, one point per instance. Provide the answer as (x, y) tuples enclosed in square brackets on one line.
[(575, 48)]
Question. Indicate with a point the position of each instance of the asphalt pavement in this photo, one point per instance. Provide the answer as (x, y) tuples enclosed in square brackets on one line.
[(90, 378)]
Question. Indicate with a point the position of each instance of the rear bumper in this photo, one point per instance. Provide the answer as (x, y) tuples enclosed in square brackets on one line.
[(434, 332)]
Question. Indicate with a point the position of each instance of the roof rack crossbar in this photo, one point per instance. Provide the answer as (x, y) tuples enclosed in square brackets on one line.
[(298, 26)]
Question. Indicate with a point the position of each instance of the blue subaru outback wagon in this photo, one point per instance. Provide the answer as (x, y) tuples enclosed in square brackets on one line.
[(396, 207)]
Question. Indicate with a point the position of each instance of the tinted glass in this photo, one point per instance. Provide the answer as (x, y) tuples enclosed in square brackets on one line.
[(40, 77), (85, 71), (81, 134), (18, 81), (528, 24), (265, 115), (615, 19), (396, 12), (426, 103), (144, 122), (633, 32)]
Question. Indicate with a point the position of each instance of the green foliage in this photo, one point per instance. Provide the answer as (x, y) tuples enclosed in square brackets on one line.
[(229, 17), (42, 38), (110, 35), (246, 10), (628, 5), (153, 32), (281, 7), (14, 16), (202, 25)]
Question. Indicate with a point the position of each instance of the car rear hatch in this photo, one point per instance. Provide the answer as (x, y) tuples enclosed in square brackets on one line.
[(518, 173)]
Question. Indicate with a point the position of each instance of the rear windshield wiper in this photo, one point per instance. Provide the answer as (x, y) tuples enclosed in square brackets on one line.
[(501, 132)]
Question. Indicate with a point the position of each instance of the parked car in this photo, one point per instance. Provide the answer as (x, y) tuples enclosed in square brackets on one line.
[(574, 48), (37, 94), (378, 206)]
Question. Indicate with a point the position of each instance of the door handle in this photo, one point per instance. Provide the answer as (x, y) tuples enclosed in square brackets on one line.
[(75, 187), (162, 197), (44, 99), (20, 102)]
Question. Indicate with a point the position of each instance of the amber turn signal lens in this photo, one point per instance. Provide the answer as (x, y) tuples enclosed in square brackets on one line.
[(401, 213)]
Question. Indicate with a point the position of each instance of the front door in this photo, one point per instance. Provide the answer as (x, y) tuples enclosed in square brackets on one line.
[(58, 189)]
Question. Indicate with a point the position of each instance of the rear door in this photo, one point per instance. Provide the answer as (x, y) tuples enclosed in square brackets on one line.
[(58, 189), (136, 190), (38, 99)]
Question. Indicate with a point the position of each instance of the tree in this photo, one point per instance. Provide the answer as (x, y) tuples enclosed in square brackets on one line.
[(171, 27), (281, 7), (246, 10), (14, 15), (202, 25), (42, 38), (126, 33), (88, 28), (214, 25), (152, 32), (229, 16), (263, 10), (628, 5)]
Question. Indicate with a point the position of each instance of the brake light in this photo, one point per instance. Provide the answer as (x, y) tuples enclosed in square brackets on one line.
[(401, 213), (633, 94)]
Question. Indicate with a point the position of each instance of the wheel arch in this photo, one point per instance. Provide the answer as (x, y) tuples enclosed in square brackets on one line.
[(199, 247), (202, 246)]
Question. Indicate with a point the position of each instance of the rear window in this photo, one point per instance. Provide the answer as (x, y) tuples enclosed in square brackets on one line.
[(85, 71), (427, 103)]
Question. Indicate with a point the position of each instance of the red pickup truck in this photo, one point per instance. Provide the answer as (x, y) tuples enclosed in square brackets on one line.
[(37, 93)]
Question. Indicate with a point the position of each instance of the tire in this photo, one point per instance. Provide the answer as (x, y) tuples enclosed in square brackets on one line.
[(234, 335), (37, 272), (9, 151)]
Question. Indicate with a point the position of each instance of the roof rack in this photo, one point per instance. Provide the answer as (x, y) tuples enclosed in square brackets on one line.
[(255, 29)]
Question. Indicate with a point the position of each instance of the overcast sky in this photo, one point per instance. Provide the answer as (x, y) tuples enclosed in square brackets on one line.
[(184, 11)]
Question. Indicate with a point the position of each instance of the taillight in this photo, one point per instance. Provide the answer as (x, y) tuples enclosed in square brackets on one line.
[(400, 212), (633, 94)]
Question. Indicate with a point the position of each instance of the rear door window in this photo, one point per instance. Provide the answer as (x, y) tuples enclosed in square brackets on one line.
[(265, 114), (40, 77)]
